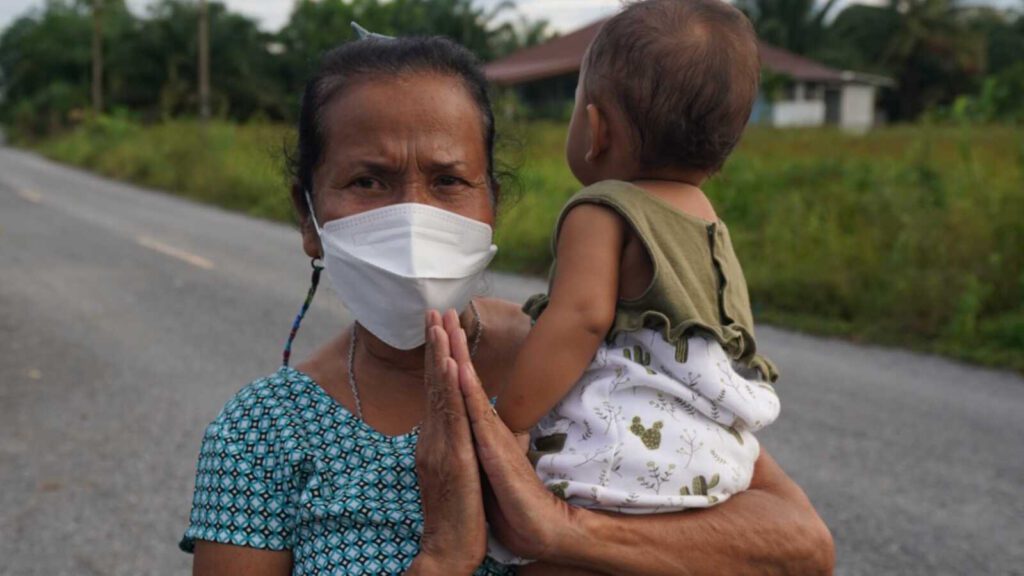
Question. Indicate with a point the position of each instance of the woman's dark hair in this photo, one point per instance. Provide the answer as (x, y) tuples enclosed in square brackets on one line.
[(355, 61)]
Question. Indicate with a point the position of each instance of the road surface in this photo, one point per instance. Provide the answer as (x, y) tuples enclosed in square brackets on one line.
[(128, 317)]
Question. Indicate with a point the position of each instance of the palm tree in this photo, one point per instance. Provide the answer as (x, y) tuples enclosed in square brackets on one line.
[(796, 25), (933, 54)]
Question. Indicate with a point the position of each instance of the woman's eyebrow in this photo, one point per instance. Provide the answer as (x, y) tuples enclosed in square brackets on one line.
[(440, 166), (379, 166)]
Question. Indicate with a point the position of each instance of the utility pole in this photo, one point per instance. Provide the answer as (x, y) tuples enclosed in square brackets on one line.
[(204, 61), (97, 56)]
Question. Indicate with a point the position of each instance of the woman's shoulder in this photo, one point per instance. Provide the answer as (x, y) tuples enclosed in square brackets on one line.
[(275, 402), (251, 465), (505, 328), (505, 322)]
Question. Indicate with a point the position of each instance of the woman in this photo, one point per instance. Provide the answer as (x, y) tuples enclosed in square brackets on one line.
[(367, 459)]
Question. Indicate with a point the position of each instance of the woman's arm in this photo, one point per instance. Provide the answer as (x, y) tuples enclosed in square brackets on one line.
[(214, 559), (769, 529), (578, 316)]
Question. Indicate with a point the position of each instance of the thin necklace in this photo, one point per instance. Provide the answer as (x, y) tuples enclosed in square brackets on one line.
[(352, 358)]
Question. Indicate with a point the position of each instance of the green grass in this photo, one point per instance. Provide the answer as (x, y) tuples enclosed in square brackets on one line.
[(909, 235), (239, 167)]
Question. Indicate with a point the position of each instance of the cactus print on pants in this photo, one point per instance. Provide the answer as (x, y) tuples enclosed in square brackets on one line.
[(647, 431)]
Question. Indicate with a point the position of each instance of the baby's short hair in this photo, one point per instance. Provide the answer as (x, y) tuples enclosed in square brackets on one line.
[(684, 72)]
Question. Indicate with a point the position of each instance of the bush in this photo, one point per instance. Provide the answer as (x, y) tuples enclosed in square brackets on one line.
[(234, 166)]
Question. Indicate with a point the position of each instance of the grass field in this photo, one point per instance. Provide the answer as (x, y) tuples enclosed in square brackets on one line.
[(908, 235)]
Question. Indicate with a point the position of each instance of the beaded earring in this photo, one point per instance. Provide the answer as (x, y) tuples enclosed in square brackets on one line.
[(314, 282)]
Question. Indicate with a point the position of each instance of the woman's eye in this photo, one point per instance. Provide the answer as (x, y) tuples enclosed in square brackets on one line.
[(366, 183), (448, 181)]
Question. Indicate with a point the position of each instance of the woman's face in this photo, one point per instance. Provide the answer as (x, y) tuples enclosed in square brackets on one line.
[(414, 138)]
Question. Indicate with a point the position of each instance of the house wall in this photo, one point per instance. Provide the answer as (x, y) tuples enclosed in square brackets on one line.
[(762, 111), (790, 113), (857, 107), (551, 98)]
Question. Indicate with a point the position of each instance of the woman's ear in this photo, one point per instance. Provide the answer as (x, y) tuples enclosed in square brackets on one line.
[(310, 239), (597, 125)]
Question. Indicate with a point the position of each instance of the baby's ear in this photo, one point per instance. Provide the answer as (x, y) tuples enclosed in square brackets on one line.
[(597, 125)]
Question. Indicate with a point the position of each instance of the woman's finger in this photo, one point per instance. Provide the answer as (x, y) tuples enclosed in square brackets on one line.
[(445, 404), (526, 517), (456, 337), (437, 366), (430, 359), (497, 448)]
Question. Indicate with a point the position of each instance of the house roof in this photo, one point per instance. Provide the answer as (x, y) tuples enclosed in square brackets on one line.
[(564, 54), (555, 57), (796, 66)]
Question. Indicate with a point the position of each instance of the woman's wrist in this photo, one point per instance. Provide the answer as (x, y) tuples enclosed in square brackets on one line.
[(569, 544)]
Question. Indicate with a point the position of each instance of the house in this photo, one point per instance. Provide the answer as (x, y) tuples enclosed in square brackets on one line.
[(803, 92)]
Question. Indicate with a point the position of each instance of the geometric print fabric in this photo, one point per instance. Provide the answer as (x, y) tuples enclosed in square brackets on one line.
[(286, 467)]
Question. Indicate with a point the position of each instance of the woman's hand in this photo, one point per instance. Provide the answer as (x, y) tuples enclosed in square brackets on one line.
[(454, 534), (527, 518)]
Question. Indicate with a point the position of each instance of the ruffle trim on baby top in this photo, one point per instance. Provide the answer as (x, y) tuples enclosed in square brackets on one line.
[(737, 342)]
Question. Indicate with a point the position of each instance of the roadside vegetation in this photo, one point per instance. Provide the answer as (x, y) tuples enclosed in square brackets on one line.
[(908, 235)]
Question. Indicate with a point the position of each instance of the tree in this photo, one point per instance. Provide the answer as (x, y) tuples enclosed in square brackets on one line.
[(163, 61), (317, 26), (858, 37), (796, 25), (97, 56), (45, 66), (1003, 33), (933, 55), (150, 61), (520, 33)]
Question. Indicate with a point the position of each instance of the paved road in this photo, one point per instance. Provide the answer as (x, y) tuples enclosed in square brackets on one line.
[(128, 317)]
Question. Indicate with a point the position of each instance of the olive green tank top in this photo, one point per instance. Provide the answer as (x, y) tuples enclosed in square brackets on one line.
[(698, 285)]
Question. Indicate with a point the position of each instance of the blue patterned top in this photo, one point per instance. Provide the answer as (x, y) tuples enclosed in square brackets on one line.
[(284, 466)]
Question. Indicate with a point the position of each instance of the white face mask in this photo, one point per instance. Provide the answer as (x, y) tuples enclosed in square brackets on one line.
[(392, 264)]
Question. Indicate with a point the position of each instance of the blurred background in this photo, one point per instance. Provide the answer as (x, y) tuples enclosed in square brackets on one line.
[(876, 201)]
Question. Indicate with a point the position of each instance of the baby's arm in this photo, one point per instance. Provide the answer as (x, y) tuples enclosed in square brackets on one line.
[(580, 313)]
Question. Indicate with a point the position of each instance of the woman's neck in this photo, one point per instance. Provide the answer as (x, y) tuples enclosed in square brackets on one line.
[(385, 355), (410, 361)]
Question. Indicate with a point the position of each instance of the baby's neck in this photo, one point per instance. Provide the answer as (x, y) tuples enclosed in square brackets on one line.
[(669, 176), (662, 176), (684, 196)]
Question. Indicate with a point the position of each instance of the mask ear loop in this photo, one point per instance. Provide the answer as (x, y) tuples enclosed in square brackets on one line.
[(314, 282)]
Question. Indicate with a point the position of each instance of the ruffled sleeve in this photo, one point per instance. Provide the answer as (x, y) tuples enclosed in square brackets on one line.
[(243, 481)]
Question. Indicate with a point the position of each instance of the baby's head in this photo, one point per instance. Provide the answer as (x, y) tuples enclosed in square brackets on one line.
[(665, 91)]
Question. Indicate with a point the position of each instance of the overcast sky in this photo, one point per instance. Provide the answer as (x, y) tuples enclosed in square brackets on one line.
[(564, 15), (272, 14)]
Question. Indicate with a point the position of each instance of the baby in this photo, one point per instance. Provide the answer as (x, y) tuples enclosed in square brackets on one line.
[(639, 382)]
